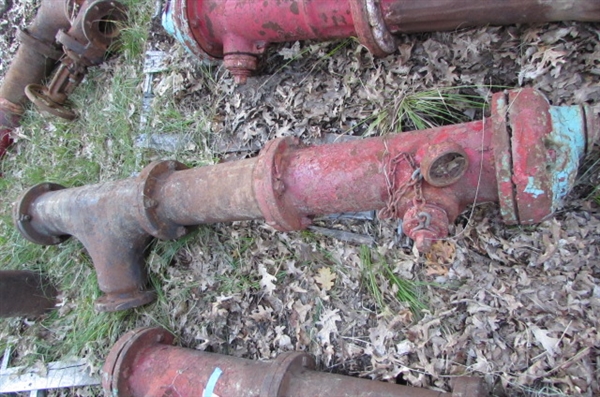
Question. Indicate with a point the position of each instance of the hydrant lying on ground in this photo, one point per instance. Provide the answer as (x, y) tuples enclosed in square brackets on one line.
[(143, 363), (525, 157), (239, 31), (85, 41)]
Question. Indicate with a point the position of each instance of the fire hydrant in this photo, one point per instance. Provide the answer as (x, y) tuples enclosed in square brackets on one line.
[(524, 157), (143, 363), (239, 31)]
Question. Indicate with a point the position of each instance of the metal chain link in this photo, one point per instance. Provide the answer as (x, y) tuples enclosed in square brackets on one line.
[(398, 193)]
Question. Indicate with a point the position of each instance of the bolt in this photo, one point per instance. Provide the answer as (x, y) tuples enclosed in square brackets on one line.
[(150, 203), (24, 218)]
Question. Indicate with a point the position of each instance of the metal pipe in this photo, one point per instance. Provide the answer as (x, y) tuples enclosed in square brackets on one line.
[(35, 59), (240, 31), (85, 44), (25, 293), (143, 363), (525, 157), (93, 31)]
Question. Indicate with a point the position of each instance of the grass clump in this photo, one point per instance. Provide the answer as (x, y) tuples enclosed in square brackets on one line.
[(429, 109), (376, 275)]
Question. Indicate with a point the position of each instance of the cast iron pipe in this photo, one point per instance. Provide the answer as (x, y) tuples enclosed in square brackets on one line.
[(85, 44), (239, 31), (25, 293), (525, 157), (143, 363), (36, 58)]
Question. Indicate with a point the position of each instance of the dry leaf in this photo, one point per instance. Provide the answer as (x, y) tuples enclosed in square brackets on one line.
[(267, 280), (325, 278)]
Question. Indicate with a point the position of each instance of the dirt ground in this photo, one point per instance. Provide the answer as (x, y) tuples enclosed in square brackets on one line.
[(518, 306)]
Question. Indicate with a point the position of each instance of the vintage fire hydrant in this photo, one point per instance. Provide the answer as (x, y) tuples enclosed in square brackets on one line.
[(239, 31), (143, 363), (525, 157)]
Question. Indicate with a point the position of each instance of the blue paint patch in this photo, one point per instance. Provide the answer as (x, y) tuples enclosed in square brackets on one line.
[(212, 383), (532, 189), (180, 32), (168, 22), (568, 141)]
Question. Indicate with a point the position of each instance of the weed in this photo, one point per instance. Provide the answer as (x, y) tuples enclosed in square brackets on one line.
[(374, 276), (428, 109)]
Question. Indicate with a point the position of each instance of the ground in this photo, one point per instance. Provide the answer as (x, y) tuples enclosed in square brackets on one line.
[(518, 306)]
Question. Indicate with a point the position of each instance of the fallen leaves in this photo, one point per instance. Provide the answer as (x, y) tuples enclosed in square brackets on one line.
[(325, 278)]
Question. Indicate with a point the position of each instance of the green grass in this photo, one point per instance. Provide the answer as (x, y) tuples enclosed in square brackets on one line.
[(97, 146), (375, 275), (432, 108)]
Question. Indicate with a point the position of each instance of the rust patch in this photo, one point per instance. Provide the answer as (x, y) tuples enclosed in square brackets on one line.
[(294, 8)]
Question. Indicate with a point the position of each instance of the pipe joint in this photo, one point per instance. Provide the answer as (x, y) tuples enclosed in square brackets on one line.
[(42, 47), (269, 188), (142, 363), (371, 28), (149, 182)]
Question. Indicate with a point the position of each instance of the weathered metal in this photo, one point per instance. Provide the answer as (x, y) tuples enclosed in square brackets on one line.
[(525, 157), (25, 293), (239, 31), (144, 363), (96, 25), (93, 31), (36, 57)]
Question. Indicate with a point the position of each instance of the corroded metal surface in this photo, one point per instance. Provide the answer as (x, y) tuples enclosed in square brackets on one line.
[(85, 44), (25, 293), (35, 59), (408, 16), (241, 30), (526, 163), (143, 363)]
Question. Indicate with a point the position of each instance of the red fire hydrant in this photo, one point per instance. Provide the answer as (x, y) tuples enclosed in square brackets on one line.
[(239, 31), (143, 363), (525, 157)]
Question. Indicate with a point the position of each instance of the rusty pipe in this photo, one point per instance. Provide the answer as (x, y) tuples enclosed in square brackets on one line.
[(35, 59), (144, 363), (94, 29), (240, 31), (25, 293), (525, 157)]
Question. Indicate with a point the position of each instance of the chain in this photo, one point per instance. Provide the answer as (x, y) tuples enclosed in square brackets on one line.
[(398, 193)]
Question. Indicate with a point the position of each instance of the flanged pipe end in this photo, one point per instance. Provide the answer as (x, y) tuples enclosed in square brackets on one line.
[(469, 386), (122, 301), (120, 362), (277, 382), (22, 216), (150, 178), (370, 27), (537, 148), (269, 188)]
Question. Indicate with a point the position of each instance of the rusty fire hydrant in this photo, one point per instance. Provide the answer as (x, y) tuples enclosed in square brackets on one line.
[(524, 157), (143, 363)]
